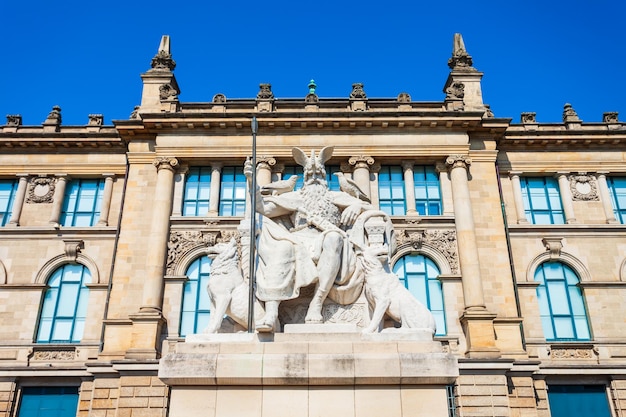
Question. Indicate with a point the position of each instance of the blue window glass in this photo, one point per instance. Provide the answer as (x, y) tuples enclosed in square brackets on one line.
[(48, 402), (81, 205), (196, 306), (561, 303), (542, 200), (294, 170), (391, 190), (8, 188), (419, 274), (578, 400), (427, 191), (62, 317), (332, 180), (197, 192), (451, 400), (617, 188), (232, 192)]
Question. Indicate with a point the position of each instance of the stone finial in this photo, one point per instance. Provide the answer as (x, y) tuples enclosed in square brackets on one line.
[(53, 121), (357, 92), (95, 120), (135, 113), (311, 97), (219, 98), (163, 61), (404, 98), (608, 117), (460, 60), (16, 119), (528, 117), (265, 92), (569, 114)]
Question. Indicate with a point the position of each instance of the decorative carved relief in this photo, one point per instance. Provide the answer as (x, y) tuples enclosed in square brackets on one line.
[(529, 117), (460, 60), (96, 120), (584, 187), (135, 113), (14, 119), (226, 235), (456, 91), (573, 353), (291, 313), (168, 92), (569, 114), (357, 92), (73, 248), (404, 98), (488, 112), (165, 162), (54, 355), (311, 98), (458, 161), (163, 61), (219, 98), (182, 241), (444, 241), (41, 190), (265, 92), (608, 117), (54, 117), (361, 161), (554, 246)]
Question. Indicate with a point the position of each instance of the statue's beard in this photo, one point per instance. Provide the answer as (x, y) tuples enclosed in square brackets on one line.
[(317, 202), (316, 181)]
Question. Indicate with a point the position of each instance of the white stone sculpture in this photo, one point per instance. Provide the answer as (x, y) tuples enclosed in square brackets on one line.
[(228, 290), (386, 294)]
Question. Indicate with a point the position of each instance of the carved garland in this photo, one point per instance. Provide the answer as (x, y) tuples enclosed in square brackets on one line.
[(54, 355), (573, 353), (444, 241), (584, 187), (41, 190)]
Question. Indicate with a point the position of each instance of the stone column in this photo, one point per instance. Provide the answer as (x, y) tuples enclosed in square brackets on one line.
[(18, 203), (179, 190), (518, 198), (446, 189), (566, 197), (477, 322), (214, 197), (264, 166), (605, 196), (57, 204), (159, 232), (361, 172), (106, 200), (409, 188)]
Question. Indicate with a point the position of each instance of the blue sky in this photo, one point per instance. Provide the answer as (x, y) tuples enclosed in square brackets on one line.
[(87, 57)]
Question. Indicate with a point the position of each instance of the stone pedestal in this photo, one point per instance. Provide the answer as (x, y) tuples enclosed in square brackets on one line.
[(321, 373)]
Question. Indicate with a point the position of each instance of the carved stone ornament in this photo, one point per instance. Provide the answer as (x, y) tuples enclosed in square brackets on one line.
[(135, 113), (41, 190), (460, 59), (219, 98), (332, 313), (168, 92), (458, 161), (528, 117), (444, 241), (361, 161), (96, 120), (14, 119), (456, 91), (54, 355), (73, 248), (165, 162), (311, 98), (584, 187), (608, 117), (569, 114), (265, 92), (54, 117), (488, 112), (163, 61), (554, 246), (267, 162), (357, 92), (181, 241), (404, 98), (573, 353)]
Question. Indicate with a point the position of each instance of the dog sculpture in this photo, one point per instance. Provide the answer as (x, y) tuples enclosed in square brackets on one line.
[(228, 290), (386, 294)]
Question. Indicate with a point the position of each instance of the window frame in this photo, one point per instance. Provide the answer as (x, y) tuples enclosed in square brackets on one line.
[(391, 205), (200, 301), (428, 186), (548, 198), (201, 186), (618, 210), (65, 396), (71, 216), (7, 210)]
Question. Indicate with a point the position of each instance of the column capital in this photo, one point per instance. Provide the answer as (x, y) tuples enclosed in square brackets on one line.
[(265, 161), (361, 161), (217, 166), (603, 173), (166, 162), (515, 174), (407, 164), (458, 161), (560, 174)]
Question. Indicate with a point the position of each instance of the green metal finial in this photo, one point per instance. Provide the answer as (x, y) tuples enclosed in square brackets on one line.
[(312, 86)]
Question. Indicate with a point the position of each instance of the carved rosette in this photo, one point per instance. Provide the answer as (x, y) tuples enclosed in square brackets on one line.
[(444, 241), (181, 242), (41, 190), (458, 161), (361, 161), (584, 187), (165, 162), (168, 92)]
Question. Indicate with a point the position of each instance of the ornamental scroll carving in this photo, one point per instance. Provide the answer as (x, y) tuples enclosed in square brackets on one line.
[(54, 355), (357, 92), (584, 187), (573, 353), (41, 190), (456, 91), (181, 242), (168, 92), (444, 241)]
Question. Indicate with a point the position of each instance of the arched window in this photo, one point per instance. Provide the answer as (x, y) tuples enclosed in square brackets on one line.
[(561, 304), (196, 307), (419, 274), (62, 318)]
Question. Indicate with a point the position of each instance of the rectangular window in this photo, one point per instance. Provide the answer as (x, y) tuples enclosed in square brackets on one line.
[(332, 180), (578, 400), (542, 200), (82, 201), (232, 192), (391, 190), (197, 192), (8, 188), (617, 189), (427, 191), (48, 402)]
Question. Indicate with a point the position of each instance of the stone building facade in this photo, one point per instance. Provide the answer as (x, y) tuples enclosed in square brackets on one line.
[(518, 229)]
